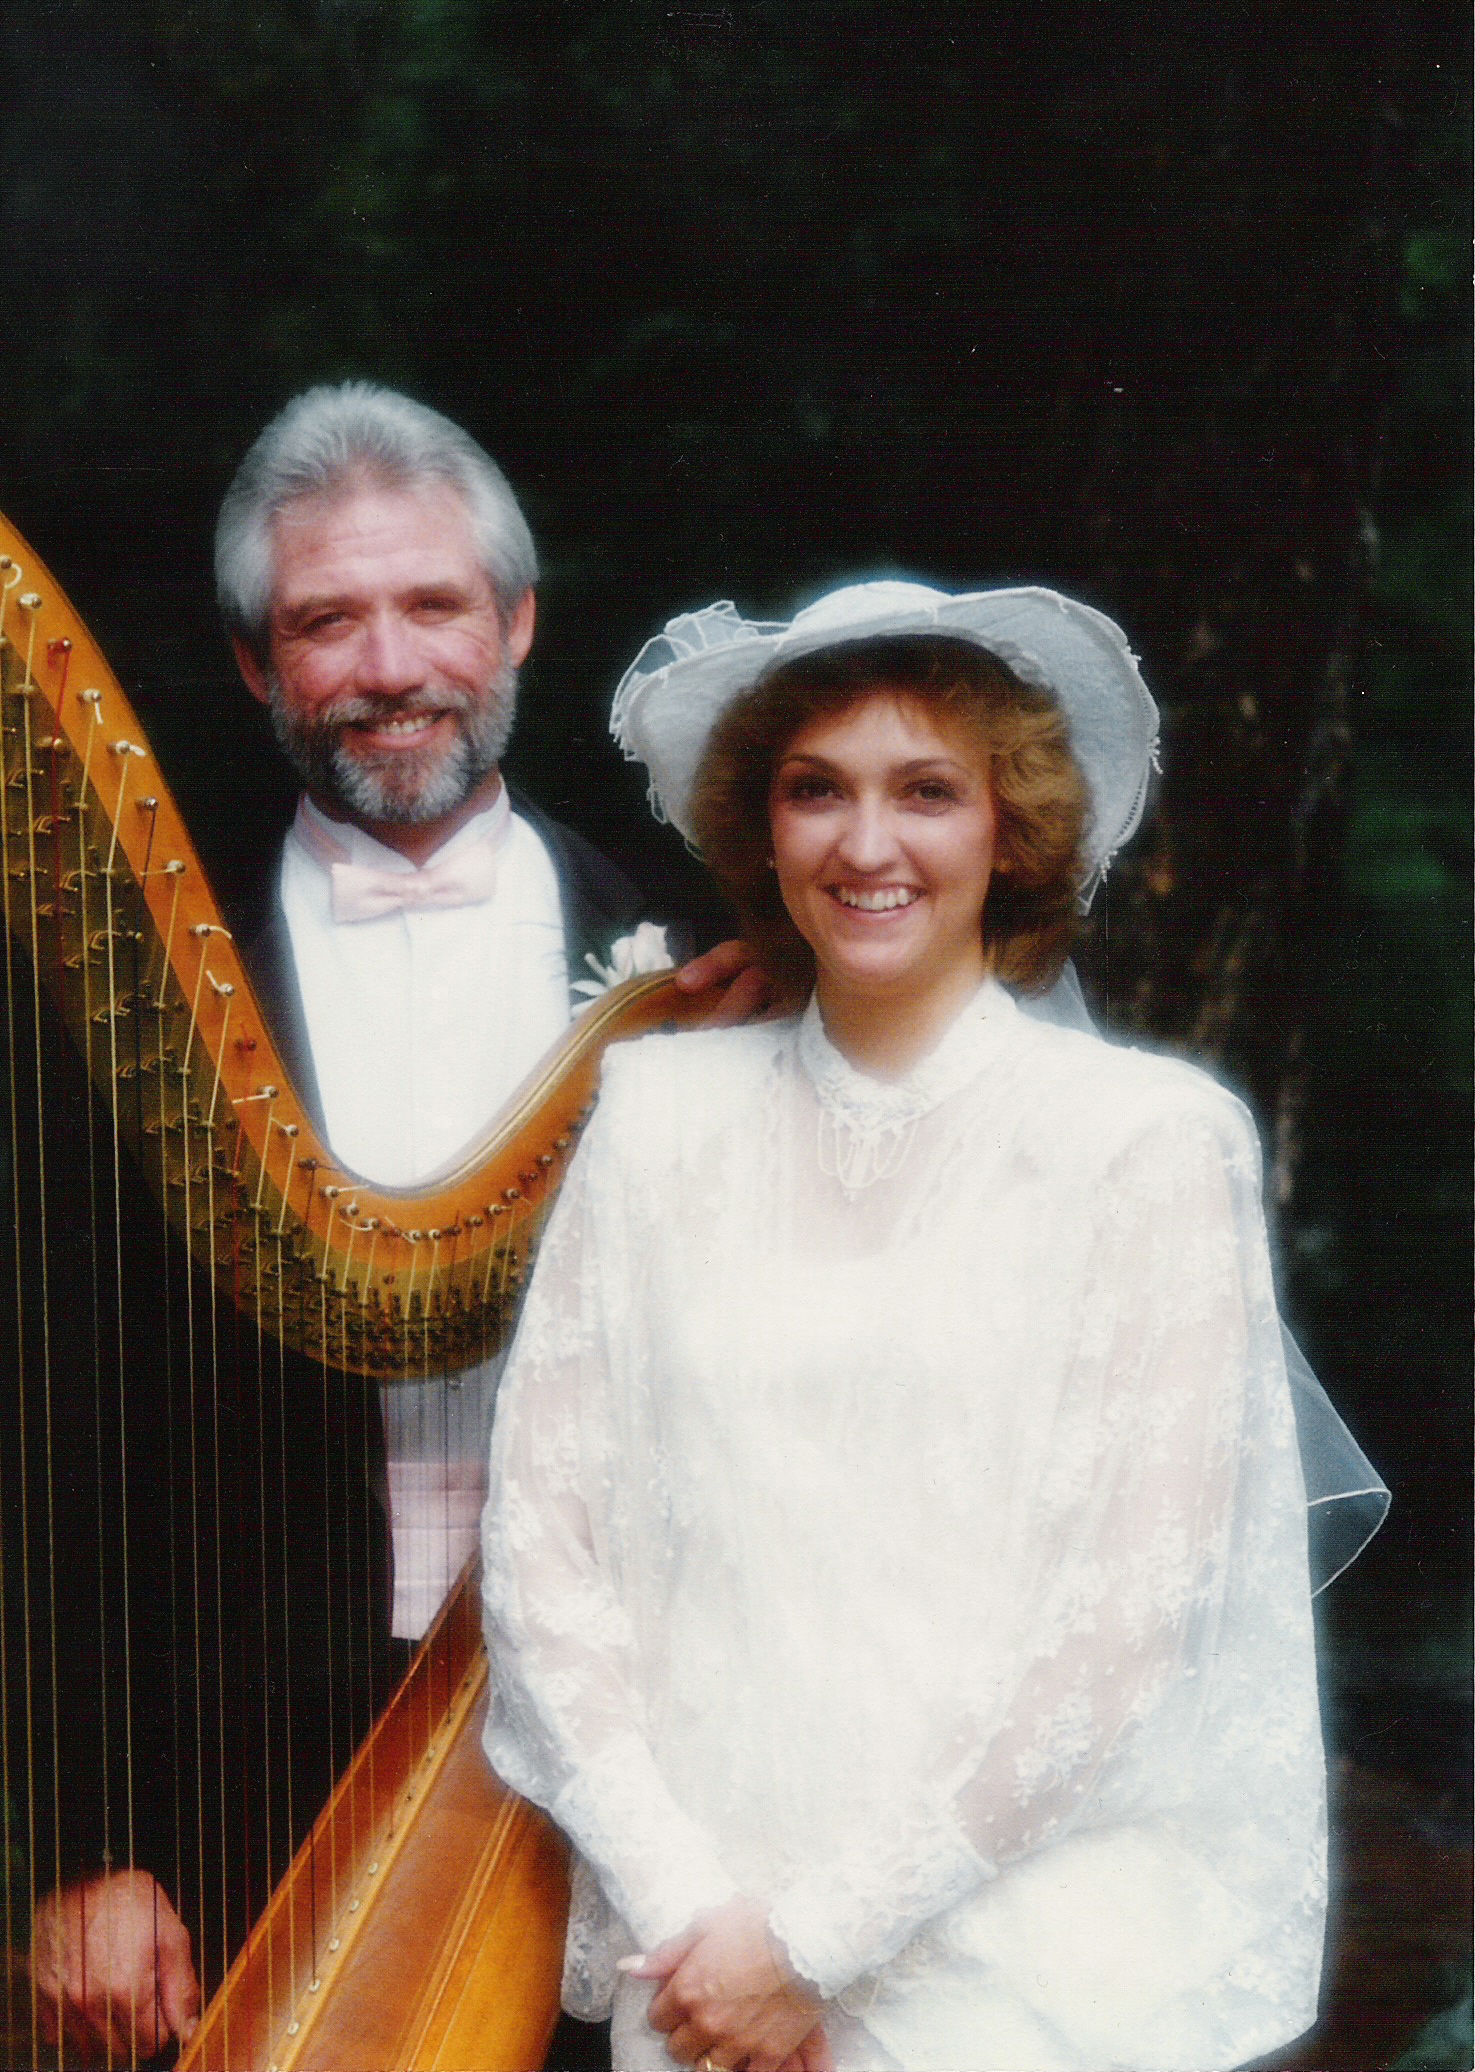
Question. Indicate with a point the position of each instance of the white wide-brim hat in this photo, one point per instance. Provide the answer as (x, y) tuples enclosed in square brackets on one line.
[(672, 694)]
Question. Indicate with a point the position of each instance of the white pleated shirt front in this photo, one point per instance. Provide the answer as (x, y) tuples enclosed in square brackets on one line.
[(421, 1023), (896, 1516)]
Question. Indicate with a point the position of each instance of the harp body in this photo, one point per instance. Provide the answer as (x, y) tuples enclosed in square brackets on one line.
[(420, 1921)]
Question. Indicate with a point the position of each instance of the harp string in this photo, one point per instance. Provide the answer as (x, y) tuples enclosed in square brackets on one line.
[(132, 1076), (29, 602), (126, 751), (203, 933), (247, 1502), (92, 704), (289, 1653), (178, 1074), (156, 1000), (104, 1667), (334, 1762), (264, 1525), (149, 1063), (332, 1386), (364, 1427), (10, 872)]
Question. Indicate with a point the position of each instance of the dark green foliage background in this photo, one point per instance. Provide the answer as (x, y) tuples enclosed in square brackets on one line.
[(1165, 304)]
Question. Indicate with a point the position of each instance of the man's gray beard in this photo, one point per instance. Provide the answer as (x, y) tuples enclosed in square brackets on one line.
[(401, 788)]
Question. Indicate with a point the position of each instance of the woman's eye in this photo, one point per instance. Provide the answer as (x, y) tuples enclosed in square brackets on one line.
[(933, 791), (800, 789)]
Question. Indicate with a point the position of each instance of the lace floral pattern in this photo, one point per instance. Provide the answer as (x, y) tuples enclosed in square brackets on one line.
[(925, 1557), (866, 1124)]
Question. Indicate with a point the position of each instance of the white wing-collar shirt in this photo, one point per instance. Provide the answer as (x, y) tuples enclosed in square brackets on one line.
[(421, 1023), (896, 1516)]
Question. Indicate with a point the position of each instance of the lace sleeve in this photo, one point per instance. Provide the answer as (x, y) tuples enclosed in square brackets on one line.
[(565, 1726), (1135, 1535)]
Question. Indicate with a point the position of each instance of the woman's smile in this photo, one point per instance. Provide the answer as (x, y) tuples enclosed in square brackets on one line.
[(879, 900)]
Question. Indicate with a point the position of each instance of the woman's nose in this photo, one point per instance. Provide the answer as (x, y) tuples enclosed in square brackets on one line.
[(868, 839)]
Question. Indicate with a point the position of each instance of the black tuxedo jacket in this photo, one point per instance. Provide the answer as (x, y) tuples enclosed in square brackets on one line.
[(340, 1420)]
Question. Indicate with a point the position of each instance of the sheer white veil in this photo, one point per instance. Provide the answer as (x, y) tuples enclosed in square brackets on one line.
[(1346, 1498)]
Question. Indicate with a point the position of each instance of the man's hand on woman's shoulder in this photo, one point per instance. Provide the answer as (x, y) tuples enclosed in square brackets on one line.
[(736, 981)]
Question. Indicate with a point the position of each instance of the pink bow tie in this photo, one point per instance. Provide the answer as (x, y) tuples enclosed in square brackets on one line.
[(362, 893)]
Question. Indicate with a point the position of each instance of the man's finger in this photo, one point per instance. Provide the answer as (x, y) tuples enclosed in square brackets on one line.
[(129, 2029), (715, 967), (747, 996), (178, 1988)]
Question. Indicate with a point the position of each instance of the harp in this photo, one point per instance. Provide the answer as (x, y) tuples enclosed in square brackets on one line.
[(415, 1918)]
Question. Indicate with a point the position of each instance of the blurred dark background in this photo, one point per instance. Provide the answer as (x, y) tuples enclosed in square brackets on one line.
[(1167, 305)]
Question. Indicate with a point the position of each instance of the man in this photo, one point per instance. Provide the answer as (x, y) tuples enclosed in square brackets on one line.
[(414, 947), (418, 944)]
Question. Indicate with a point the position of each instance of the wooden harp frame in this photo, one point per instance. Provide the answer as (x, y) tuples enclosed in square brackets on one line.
[(421, 1922)]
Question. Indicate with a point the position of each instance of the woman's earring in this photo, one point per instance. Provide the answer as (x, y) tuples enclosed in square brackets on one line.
[(771, 865)]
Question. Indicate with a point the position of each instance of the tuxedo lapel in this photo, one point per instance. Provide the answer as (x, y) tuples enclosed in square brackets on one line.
[(598, 901)]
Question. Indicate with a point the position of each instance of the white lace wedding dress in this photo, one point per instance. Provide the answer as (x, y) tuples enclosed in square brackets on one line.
[(896, 1516)]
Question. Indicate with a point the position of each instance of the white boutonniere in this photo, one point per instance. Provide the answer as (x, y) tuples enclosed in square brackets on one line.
[(630, 957)]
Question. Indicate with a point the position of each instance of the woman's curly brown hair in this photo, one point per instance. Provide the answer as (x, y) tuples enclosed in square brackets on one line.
[(1039, 795)]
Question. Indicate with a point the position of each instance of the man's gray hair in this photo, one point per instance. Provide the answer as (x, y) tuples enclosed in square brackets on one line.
[(321, 443)]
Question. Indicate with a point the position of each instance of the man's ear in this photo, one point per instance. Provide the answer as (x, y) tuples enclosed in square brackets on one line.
[(250, 667), (518, 637)]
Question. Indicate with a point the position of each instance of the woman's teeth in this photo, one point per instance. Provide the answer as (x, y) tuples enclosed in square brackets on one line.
[(877, 902)]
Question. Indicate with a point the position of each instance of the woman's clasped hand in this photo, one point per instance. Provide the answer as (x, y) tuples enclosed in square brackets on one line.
[(726, 1998)]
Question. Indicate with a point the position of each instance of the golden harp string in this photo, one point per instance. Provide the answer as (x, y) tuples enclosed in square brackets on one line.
[(110, 926)]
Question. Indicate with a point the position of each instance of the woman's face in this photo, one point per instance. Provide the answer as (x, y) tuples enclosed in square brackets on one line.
[(883, 839)]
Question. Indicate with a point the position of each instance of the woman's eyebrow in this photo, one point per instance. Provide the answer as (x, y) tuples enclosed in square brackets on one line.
[(914, 763)]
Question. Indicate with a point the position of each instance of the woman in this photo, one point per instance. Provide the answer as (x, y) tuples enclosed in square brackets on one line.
[(896, 1565)]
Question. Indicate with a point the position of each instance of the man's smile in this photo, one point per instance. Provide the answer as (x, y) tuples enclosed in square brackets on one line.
[(402, 731)]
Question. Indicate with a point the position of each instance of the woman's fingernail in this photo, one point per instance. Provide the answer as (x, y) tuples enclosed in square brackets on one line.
[(629, 1963)]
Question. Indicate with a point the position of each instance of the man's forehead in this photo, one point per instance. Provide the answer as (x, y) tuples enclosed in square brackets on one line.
[(365, 529)]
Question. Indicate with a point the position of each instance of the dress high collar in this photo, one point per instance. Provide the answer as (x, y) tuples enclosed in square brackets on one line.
[(866, 1123), (971, 1039)]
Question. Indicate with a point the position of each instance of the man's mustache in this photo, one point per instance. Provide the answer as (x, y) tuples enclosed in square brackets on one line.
[(372, 708)]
